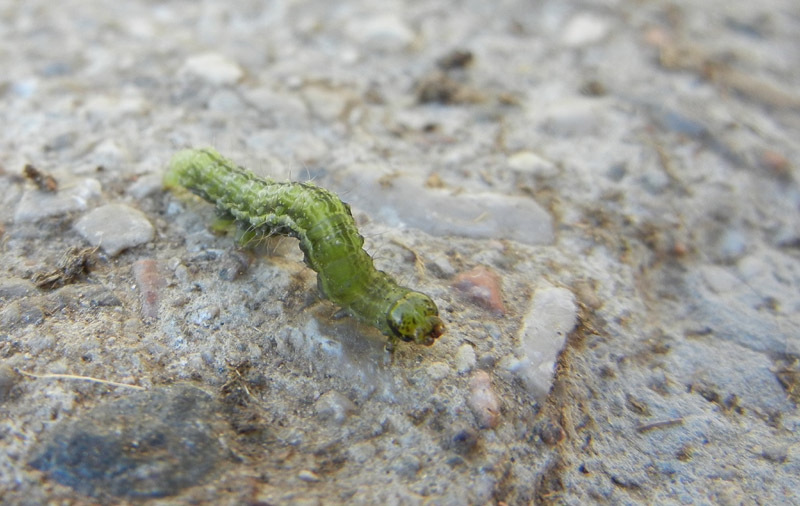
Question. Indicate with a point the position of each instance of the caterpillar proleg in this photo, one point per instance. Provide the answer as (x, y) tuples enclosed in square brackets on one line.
[(328, 238)]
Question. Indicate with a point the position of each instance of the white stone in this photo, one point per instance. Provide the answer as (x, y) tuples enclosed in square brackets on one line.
[(145, 185), (576, 116), (326, 103), (334, 406), (213, 68), (205, 315), (438, 370), (552, 315), (465, 358), (108, 154), (308, 476), (531, 163), (383, 33), (115, 227), (584, 29), (442, 264)]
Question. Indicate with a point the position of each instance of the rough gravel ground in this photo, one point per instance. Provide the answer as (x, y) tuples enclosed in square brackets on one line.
[(602, 198)]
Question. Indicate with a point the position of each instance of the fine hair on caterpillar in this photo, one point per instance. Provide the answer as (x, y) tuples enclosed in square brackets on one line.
[(329, 240)]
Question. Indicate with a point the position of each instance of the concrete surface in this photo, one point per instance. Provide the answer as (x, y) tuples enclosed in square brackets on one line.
[(613, 184)]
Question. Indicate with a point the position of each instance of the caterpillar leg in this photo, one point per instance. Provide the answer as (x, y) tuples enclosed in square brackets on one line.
[(391, 345), (221, 225), (243, 236), (223, 222)]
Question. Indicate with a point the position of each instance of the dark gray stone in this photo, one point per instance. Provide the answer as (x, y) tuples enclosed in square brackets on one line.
[(148, 444)]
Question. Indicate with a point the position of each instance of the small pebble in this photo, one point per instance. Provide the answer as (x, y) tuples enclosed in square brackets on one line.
[(586, 293), (115, 227), (483, 401), (213, 68), (382, 33), (406, 466), (440, 266), (574, 117), (552, 433), (308, 476), (334, 406), (482, 285), (552, 315), (326, 103), (149, 282), (465, 358), (145, 185), (205, 315), (108, 154), (775, 453), (438, 370), (531, 163), (101, 296), (584, 29)]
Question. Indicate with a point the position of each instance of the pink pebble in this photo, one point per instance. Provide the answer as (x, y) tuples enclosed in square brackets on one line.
[(483, 401), (483, 286), (145, 272)]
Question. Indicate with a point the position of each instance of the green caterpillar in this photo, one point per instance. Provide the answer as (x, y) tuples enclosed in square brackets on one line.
[(328, 238)]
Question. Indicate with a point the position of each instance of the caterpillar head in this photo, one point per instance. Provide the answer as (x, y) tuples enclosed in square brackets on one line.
[(414, 318)]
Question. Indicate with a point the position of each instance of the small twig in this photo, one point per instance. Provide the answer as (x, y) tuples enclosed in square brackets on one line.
[(244, 385), (80, 378), (480, 217), (660, 424)]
